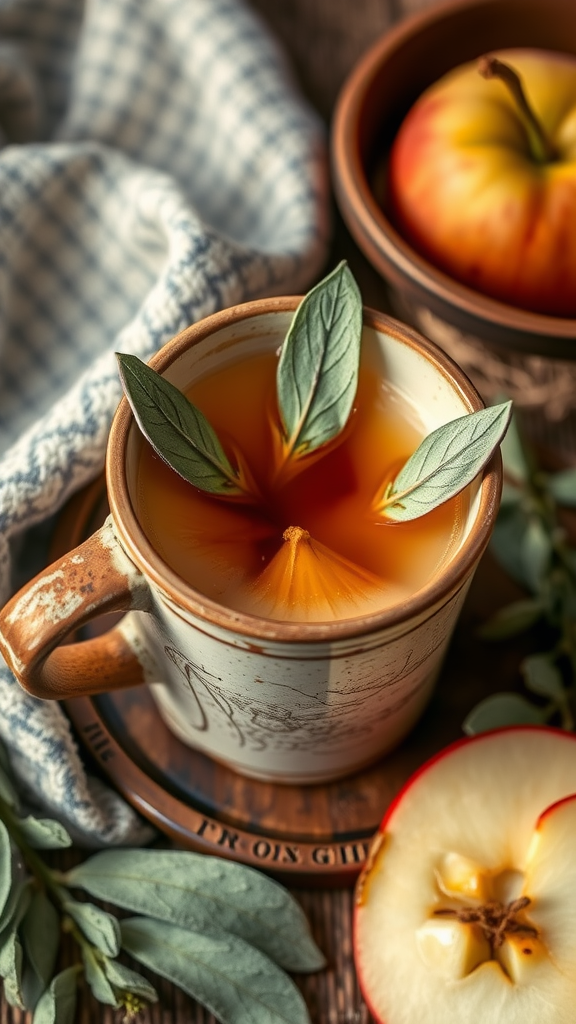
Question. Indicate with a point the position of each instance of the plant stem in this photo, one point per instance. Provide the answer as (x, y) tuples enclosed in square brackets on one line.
[(541, 145)]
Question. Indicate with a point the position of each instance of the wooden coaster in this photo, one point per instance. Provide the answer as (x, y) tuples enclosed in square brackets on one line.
[(304, 834)]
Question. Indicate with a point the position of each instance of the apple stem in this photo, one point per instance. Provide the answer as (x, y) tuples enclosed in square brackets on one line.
[(541, 146)]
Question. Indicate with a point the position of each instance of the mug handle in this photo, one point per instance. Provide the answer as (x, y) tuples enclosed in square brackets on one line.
[(94, 578)]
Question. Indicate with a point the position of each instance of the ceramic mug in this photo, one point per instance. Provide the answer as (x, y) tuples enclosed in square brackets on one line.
[(282, 701)]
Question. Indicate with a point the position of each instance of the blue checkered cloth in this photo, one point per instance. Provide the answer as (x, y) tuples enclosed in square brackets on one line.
[(156, 164)]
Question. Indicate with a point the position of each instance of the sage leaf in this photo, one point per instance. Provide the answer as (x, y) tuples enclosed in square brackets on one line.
[(515, 618), (176, 429), (500, 710), (514, 459), (444, 463), (99, 927), (201, 892), (58, 1004), (44, 833), (232, 979), (15, 900), (507, 542), (124, 979), (536, 553), (40, 936), (11, 956), (562, 487), (543, 677), (317, 373), (7, 790), (5, 866), (101, 988)]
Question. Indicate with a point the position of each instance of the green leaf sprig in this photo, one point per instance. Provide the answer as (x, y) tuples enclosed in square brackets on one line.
[(316, 383), (224, 933), (531, 544)]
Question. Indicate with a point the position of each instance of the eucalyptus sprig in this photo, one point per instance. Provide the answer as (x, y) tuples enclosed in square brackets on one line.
[(531, 544), (316, 384), (224, 933)]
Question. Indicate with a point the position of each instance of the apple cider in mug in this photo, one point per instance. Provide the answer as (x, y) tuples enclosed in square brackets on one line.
[(309, 545)]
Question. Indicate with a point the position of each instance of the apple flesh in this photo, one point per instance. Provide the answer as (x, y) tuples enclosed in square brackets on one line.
[(466, 908), (468, 192)]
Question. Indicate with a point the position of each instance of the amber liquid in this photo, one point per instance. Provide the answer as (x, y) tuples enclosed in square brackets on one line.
[(221, 546)]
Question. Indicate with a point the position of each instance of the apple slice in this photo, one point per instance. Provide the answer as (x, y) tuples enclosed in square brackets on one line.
[(466, 908)]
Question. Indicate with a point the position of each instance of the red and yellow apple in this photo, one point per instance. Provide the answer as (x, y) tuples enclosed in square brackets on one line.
[(466, 909), (481, 193)]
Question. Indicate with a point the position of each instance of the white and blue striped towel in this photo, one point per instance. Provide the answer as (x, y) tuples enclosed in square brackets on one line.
[(156, 164)]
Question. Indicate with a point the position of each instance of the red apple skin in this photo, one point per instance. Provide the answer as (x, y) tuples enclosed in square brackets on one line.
[(378, 845), (466, 192)]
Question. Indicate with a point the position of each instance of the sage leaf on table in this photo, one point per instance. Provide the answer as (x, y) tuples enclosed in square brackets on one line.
[(100, 986), (58, 1003), (501, 710), (176, 429), (11, 955), (201, 892), (444, 463), (317, 375), (44, 833), (99, 927), (40, 936), (127, 980), (5, 866), (233, 979)]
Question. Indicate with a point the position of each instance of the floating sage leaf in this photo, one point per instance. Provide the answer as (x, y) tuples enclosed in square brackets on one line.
[(99, 927), (512, 619), (5, 866), (232, 979), (176, 429), (500, 710), (317, 373), (562, 487), (201, 892), (40, 935), (44, 833), (125, 979), (444, 463), (101, 988), (58, 1004)]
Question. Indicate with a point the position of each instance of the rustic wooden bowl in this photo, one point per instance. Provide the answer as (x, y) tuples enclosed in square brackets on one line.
[(371, 106)]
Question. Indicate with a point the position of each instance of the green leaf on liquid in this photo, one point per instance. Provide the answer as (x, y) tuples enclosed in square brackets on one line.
[(317, 374), (176, 429), (444, 463), (235, 981), (204, 893)]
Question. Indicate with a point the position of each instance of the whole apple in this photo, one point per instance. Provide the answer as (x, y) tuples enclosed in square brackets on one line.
[(486, 189), (465, 911)]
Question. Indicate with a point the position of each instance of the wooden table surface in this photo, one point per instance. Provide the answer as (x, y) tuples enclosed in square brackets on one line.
[(324, 38)]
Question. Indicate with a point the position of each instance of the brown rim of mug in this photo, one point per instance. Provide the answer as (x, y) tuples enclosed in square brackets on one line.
[(182, 594), (392, 256)]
